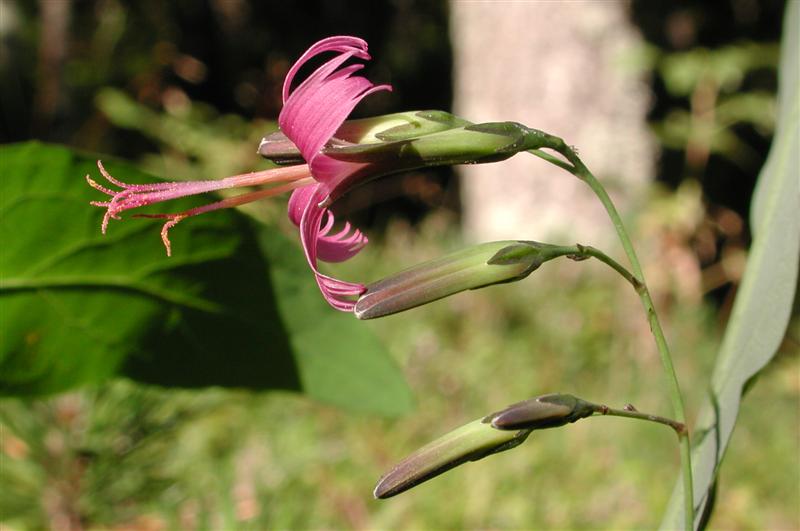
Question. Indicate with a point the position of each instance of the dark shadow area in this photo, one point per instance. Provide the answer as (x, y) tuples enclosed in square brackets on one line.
[(245, 347)]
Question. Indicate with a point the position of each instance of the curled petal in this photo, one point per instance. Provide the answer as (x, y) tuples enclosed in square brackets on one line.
[(307, 214), (311, 114), (314, 110), (304, 211), (298, 202), (343, 44)]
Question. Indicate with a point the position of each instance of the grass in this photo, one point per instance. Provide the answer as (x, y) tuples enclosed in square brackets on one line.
[(125, 455)]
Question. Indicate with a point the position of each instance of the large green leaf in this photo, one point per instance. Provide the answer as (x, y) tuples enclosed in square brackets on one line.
[(763, 304), (234, 306)]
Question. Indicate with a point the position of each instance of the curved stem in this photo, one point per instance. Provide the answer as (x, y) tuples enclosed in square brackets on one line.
[(551, 159), (580, 252), (630, 412), (580, 170)]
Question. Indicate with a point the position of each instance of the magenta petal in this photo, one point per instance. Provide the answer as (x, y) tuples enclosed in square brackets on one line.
[(317, 108), (298, 202), (340, 249), (314, 110), (311, 114), (304, 211), (342, 43)]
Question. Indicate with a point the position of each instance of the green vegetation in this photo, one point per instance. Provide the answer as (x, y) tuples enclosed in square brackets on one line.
[(122, 453), (128, 454)]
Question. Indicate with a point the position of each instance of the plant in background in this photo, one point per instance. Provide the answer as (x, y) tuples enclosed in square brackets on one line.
[(311, 116), (486, 265), (323, 157)]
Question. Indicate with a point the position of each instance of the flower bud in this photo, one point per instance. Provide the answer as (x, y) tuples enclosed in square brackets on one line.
[(471, 268), (365, 132), (404, 126), (415, 139), (546, 411), (471, 144), (471, 442)]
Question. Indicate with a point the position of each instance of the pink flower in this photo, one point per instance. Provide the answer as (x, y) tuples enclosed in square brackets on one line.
[(311, 114)]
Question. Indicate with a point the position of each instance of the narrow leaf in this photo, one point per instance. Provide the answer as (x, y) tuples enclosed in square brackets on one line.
[(764, 300)]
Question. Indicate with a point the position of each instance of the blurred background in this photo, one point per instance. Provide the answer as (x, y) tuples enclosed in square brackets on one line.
[(672, 102)]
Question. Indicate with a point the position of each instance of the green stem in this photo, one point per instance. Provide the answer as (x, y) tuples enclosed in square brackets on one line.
[(630, 412), (580, 252), (551, 159), (582, 172)]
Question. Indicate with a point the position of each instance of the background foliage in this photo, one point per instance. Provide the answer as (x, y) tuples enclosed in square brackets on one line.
[(186, 89)]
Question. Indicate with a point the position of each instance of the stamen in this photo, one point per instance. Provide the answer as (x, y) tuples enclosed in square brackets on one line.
[(138, 195), (241, 199), (274, 175), (96, 186), (165, 232)]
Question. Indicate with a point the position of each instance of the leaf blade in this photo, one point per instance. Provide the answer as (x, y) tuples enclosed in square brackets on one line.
[(79, 307), (764, 300)]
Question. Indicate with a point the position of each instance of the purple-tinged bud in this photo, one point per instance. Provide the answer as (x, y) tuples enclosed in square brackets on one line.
[(277, 147), (546, 411), (471, 442), (471, 268)]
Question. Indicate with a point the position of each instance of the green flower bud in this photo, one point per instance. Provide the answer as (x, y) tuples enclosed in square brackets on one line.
[(471, 268), (471, 144), (414, 139), (546, 411), (409, 125), (367, 131), (471, 442)]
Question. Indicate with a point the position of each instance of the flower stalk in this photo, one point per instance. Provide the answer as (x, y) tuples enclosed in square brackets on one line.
[(631, 412), (576, 166)]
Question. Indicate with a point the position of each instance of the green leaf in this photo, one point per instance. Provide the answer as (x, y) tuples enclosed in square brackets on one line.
[(339, 362), (763, 303), (234, 306)]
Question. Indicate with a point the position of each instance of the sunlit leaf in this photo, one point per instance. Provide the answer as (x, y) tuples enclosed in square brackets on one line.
[(234, 306)]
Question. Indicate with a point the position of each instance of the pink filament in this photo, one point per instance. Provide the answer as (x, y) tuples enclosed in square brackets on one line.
[(138, 195)]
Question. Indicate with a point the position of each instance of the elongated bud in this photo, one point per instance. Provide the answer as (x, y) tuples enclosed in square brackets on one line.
[(471, 442), (546, 411), (415, 139), (471, 144), (471, 268), (367, 131)]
